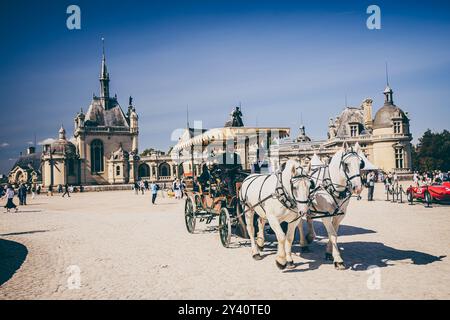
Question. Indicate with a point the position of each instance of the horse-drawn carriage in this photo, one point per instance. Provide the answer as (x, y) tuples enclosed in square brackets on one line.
[(215, 195)]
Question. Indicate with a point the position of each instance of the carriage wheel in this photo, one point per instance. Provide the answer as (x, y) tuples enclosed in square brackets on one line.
[(225, 227), (189, 215)]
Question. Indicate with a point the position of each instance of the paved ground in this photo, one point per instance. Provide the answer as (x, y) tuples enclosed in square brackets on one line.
[(126, 248)]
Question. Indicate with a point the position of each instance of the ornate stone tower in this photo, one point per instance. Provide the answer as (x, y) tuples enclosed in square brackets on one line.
[(106, 137)]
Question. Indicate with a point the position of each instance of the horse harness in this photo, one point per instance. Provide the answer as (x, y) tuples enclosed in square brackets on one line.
[(339, 197), (281, 194)]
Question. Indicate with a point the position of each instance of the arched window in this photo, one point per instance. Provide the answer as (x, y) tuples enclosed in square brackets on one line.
[(97, 164), (118, 171), (164, 170), (144, 171)]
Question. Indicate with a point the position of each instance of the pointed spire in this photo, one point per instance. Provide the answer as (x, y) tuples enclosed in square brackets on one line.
[(387, 75), (104, 72), (388, 92), (187, 116), (104, 79)]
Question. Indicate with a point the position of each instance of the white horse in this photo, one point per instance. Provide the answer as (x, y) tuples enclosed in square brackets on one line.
[(279, 197), (335, 185)]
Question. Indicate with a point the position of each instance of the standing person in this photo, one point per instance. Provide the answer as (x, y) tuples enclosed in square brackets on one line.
[(416, 179), (395, 179), (33, 191), (177, 189), (66, 191), (136, 187), (22, 192), (10, 196), (154, 189), (370, 185), (182, 187), (142, 186), (388, 182)]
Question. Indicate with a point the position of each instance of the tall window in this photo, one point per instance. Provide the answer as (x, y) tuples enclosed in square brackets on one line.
[(117, 171), (397, 127), (71, 167), (399, 158), (354, 130), (97, 164)]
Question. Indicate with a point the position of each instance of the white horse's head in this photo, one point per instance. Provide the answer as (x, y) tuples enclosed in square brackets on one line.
[(351, 166), (298, 182), (348, 164)]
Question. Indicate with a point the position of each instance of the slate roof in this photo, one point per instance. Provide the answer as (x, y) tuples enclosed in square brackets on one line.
[(29, 161), (97, 115)]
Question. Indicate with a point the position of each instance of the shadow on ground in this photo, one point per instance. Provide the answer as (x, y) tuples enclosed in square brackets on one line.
[(360, 255), (22, 233), (344, 230), (12, 255)]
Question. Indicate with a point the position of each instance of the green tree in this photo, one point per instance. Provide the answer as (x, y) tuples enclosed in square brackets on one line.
[(432, 152)]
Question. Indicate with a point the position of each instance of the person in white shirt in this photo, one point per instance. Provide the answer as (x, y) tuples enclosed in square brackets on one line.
[(10, 196)]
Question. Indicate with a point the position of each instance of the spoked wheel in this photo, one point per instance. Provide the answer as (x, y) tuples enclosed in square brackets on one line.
[(189, 215), (410, 196), (428, 198), (225, 227)]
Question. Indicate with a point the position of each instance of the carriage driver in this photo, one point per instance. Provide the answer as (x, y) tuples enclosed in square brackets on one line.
[(231, 162)]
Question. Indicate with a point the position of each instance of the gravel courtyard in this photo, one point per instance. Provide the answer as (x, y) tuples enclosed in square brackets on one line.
[(125, 248)]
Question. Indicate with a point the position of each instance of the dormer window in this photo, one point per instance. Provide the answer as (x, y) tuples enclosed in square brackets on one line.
[(397, 127), (354, 130)]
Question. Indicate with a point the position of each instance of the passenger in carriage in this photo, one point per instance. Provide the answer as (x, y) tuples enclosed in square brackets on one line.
[(196, 185), (204, 178), (231, 162)]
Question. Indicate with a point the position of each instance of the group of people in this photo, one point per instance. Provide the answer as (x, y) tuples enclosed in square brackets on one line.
[(178, 188), (428, 178), (144, 185)]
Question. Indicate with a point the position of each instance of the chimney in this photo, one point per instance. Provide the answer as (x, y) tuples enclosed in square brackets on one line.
[(31, 150)]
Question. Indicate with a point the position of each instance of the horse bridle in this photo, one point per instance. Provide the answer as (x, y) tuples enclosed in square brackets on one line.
[(342, 163), (299, 177)]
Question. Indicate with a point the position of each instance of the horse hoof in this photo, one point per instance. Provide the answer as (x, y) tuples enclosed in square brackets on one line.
[(339, 266), (280, 266), (290, 265), (329, 257), (257, 257), (261, 248), (305, 249)]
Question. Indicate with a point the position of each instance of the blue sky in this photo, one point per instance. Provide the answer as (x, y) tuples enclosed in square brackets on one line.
[(279, 59)]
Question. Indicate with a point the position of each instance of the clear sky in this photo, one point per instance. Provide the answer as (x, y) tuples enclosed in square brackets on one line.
[(280, 59)]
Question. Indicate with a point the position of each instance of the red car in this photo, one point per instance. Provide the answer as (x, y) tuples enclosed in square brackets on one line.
[(439, 192)]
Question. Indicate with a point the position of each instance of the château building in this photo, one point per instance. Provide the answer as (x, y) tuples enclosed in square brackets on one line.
[(385, 138)]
